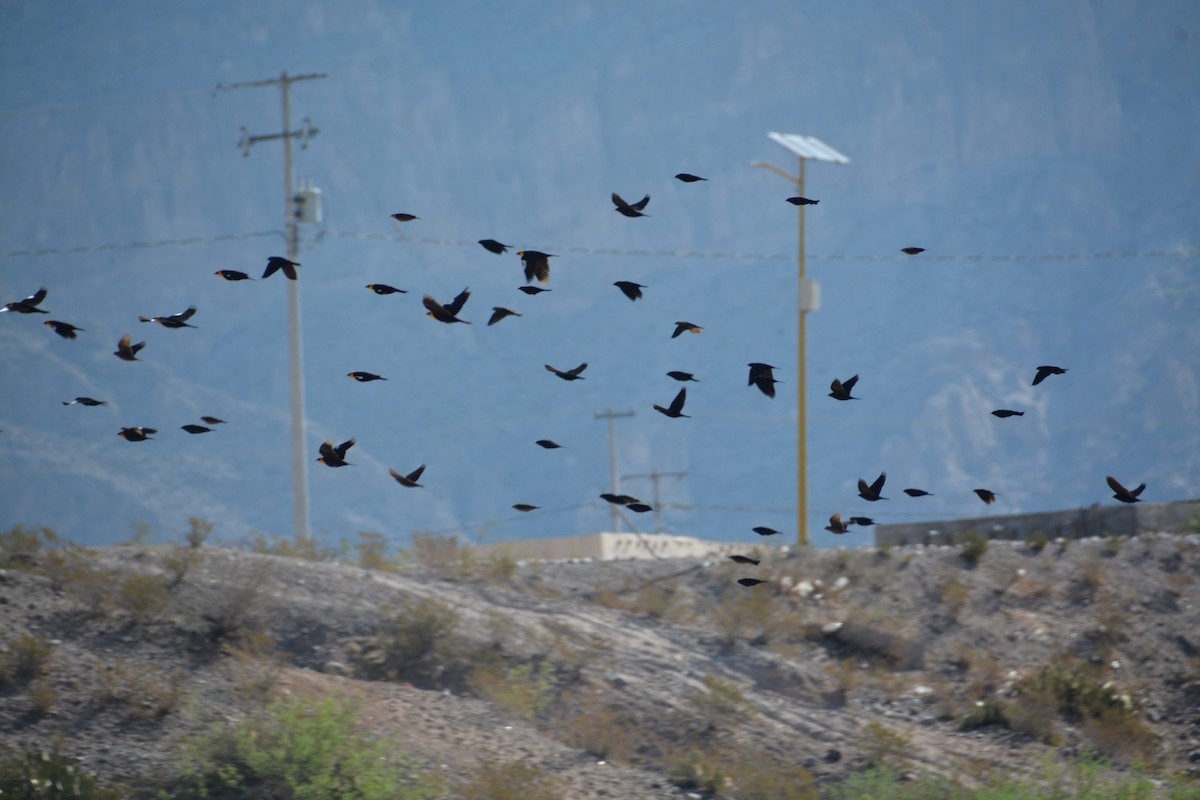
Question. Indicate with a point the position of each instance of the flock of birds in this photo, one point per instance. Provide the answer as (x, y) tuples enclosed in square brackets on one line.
[(536, 268)]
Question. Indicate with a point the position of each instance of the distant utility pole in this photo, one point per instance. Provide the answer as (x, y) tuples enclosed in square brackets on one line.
[(297, 207), (611, 416), (655, 476)]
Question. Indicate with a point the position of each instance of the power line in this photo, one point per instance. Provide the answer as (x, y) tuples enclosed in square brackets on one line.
[(116, 101), (96, 248)]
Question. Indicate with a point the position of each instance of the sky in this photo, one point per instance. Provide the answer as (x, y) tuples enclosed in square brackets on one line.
[(1042, 152)]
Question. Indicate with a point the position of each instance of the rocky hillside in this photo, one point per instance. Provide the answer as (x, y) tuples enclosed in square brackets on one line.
[(166, 667)]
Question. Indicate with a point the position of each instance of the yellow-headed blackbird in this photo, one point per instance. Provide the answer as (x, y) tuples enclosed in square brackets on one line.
[(985, 495), (680, 327), (232, 275), (836, 525), (383, 288), (63, 329), (364, 377), (179, 320), (29, 305), (335, 456), (136, 434), (536, 264), (126, 350)]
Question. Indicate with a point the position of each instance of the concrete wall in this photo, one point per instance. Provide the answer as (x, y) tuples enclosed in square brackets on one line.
[(1096, 520), (613, 547)]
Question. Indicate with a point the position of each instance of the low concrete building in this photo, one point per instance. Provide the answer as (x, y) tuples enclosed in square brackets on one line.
[(613, 547), (1079, 523)]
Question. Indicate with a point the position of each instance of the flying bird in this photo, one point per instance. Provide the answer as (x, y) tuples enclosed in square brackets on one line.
[(548, 444), (138, 434), (630, 209), (232, 275), (195, 428), (687, 177), (985, 495), (571, 374), (1123, 494), (537, 265), (492, 246), (751, 581), (176, 321), (1004, 413), (524, 508), (29, 305), (918, 493), (744, 560), (630, 289), (680, 327), (409, 480), (335, 456), (85, 401), (447, 313), (63, 329), (383, 288), (639, 508), (277, 263), (763, 530), (861, 521), (762, 376), (365, 377), (912, 251), (212, 420), (682, 376), (499, 313), (619, 499), (871, 492), (836, 525), (126, 350), (404, 217), (676, 407), (1045, 372), (841, 391), (802, 201), (533, 289)]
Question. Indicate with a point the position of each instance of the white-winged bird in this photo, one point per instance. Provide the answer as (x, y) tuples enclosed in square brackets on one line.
[(871, 492), (985, 495), (277, 263), (335, 456), (836, 525), (85, 401), (179, 320), (126, 350), (1045, 372), (383, 288), (447, 313), (1004, 413), (676, 407), (762, 376), (409, 480), (630, 209), (492, 246), (499, 313), (569, 375), (138, 434), (29, 305), (232, 275), (1123, 494), (841, 391), (681, 326), (63, 329), (537, 265), (365, 377), (630, 289)]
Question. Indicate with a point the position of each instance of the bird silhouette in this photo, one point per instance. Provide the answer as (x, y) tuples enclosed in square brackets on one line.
[(537, 265), (492, 246), (985, 495), (836, 525), (499, 313), (63, 329), (676, 407), (630, 209), (618, 499), (871, 492), (864, 521), (1004, 413), (569, 375), (841, 391), (28, 305), (532, 290), (279, 263), (687, 177), (212, 420), (744, 560), (762, 376), (383, 288), (85, 401), (630, 289), (917, 493), (409, 480), (138, 434), (335, 456), (548, 444), (447, 313), (751, 581), (802, 201), (680, 327), (175, 321), (763, 530), (365, 377), (196, 428), (639, 508), (1045, 372), (525, 508), (402, 217), (682, 376), (912, 251), (232, 275), (1123, 494), (126, 350)]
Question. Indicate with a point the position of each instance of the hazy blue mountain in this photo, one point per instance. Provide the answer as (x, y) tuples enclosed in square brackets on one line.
[(1019, 131)]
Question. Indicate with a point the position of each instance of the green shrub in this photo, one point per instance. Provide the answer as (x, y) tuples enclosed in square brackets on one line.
[(42, 775), (510, 781), (143, 596), (972, 546), (23, 658), (20, 546), (417, 642), (699, 771), (442, 555), (721, 701), (524, 689), (142, 691), (1038, 541)]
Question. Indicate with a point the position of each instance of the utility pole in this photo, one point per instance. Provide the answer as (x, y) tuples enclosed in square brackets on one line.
[(611, 416), (655, 476), (294, 212)]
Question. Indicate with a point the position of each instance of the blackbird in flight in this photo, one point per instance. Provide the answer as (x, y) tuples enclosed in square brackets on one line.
[(687, 177), (126, 350), (548, 444), (750, 581), (841, 391), (1004, 413), (195, 428), (619, 499), (630, 289), (365, 377), (861, 521), (383, 288), (63, 329), (232, 275), (630, 209), (85, 401), (639, 508), (492, 246), (525, 508), (763, 530), (871, 492), (176, 321), (744, 560), (682, 376), (1123, 494), (537, 265), (29, 305), (531, 290), (680, 327), (136, 434), (335, 456), (917, 493), (404, 217), (676, 407), (571, 374), (212, 420), (447, 313), (802, 201), (1045, 372), (409, 480), (762, 376), (985, 495), (499, 313), (912, 251), (277, 263), (836, 525)]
